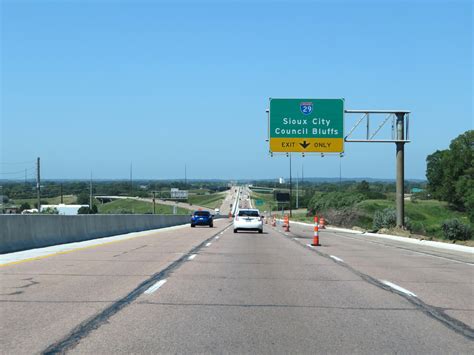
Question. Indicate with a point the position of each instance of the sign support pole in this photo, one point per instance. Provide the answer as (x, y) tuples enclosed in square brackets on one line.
[(400, 184), (291, 188), (38, 184)]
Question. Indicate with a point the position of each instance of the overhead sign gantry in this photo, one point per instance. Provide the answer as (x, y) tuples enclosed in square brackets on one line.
[(317, 126)]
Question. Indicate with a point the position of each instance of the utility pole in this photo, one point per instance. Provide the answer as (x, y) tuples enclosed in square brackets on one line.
[(38, 183), (61, 188), (400, 184), (297, 190), (26, 180), (185, 176), (291, 188), (154, 199), (90, 195), (131, 180)]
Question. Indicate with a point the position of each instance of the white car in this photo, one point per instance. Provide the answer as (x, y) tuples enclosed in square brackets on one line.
[(248, 219)]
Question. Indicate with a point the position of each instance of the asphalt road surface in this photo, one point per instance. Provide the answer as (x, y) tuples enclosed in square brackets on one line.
[(208, 290)]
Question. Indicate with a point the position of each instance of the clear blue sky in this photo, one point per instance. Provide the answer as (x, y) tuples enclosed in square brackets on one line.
[(95, 85)]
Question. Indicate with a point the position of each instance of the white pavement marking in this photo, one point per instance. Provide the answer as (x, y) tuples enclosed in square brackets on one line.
[(336, 258), (155, 287), (398, 288), (404, 248), (441, 245), (217, 237), (309, 245), (208, 244), (191, 257)]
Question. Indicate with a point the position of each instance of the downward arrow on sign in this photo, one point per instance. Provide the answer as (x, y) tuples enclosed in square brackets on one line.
[(304, 144)]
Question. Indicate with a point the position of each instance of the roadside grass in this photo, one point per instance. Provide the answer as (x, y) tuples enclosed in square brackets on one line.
[(425, 217), (68, 200), (268, 202), (211, 201), (135, 207)]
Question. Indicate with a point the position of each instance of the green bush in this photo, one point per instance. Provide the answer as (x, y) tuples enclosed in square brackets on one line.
[(50, 210), (454, 229), (334, 200), (386, 218), (25, 206), (418, 227)]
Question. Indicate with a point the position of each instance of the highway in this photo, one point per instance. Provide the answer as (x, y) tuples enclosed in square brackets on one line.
[(209, 290)]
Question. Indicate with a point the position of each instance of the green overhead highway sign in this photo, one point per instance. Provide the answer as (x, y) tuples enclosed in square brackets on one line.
[(307, 125)]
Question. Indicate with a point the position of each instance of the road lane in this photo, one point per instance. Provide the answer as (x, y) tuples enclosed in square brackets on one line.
[(42, 300), (441, 278), (264, 293)]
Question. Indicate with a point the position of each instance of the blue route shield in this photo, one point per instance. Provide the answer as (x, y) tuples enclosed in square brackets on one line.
[(306, 108)]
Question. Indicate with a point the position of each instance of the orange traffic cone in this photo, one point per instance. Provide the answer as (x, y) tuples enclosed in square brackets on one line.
[(322, 223), (316, 233), (286, 224)]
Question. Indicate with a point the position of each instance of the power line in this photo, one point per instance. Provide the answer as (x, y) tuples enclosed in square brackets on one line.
[(17, 162), (14, 172)]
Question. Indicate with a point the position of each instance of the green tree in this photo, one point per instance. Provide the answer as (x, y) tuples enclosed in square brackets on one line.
[(83, 198), (363, 187), (24, 206), (450, 173)]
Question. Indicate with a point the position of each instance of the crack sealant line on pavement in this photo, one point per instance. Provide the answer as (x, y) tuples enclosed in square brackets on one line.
[(86, 327), (434, 312), (425, 253), (422, 242)]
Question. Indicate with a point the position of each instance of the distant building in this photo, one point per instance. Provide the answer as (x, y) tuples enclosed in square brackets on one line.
[(68, 210), (281, 181), (12, 210)]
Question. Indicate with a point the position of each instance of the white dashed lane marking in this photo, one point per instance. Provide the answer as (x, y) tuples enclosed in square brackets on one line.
[(155, 287), (398, 288), (191, 257), (336, 258)]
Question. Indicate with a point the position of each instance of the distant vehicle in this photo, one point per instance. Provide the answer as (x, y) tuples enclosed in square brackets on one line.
[(248, 219), (217, 211), (202, 218)]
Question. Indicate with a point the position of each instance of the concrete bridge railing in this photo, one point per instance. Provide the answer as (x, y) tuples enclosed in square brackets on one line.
[(22, 232)]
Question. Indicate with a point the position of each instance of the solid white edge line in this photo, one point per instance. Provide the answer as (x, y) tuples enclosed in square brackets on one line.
[(208, 244), (439, 245), (155, 287), (398, 288), (191, 257), (336, 258)]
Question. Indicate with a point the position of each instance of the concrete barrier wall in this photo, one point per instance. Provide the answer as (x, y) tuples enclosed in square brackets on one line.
[(21, 232)]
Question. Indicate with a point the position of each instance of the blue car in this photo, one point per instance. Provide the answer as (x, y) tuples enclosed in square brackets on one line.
[(202, 218)]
